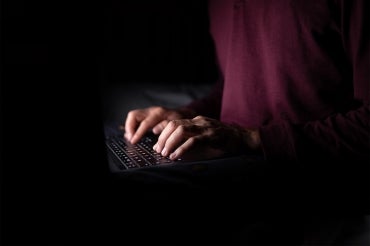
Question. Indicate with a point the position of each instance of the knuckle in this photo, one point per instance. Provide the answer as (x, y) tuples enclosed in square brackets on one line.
[(131, 113), (172, 124), (209, 132), (158, 110), (199, 117)]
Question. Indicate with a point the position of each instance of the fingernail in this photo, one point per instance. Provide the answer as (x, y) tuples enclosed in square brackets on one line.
[(173, 156), (133, 139), (155, 146), (164, 152), (158, 149)]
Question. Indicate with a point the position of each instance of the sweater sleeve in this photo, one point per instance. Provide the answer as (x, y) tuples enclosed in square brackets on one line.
[(342, 136), (210, 105)]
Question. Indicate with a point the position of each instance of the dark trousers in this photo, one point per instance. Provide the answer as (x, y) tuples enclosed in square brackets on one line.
[(231, 201)]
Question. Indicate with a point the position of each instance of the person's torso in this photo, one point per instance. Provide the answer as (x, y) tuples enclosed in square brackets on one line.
[(280, 60)]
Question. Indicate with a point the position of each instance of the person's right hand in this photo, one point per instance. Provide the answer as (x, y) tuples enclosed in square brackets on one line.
[(139, 121)]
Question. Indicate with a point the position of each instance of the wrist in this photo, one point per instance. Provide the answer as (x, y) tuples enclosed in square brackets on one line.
[(249, 139)]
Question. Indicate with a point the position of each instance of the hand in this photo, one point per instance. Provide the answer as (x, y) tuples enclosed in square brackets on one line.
[(204, 137), (139, 121)]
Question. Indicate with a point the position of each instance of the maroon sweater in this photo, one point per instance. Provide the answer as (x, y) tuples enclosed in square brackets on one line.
[(298, 71)]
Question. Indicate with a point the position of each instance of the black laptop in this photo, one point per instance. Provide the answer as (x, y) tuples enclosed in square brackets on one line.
[(124, 156)]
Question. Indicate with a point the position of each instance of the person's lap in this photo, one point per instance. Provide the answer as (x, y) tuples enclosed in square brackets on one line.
[(209, 203)]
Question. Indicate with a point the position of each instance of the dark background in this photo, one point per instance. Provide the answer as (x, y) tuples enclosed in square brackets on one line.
[(161, 41), (56, 56)]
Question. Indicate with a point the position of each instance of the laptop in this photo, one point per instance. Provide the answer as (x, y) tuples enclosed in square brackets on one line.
[(124, 156)]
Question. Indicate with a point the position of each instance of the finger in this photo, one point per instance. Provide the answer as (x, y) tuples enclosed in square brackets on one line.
[(160, 127), (144, 126), (168, 130), (131, 124), (174, 140), (185, 147)]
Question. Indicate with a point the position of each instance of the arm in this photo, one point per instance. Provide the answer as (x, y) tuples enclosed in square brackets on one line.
[(342, 136)]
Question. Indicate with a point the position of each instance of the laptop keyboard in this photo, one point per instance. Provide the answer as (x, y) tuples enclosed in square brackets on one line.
[(131, 156)]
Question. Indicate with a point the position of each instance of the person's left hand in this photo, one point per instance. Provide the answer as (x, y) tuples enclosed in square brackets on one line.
[(203, 138)]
